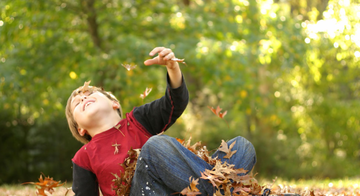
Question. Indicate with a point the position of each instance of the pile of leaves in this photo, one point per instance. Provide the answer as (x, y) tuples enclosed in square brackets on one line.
[(45, 185), (222, 176), (122, 183)]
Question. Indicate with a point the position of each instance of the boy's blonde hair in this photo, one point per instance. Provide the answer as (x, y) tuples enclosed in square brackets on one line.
[(69, 114)]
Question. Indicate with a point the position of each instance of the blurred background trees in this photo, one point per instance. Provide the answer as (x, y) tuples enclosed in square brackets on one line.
[(286, 71)]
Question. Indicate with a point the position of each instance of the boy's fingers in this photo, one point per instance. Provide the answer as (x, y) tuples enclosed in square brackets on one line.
[(164, 55), (151, 61), (156, 50), (165, 52), (169, 56)]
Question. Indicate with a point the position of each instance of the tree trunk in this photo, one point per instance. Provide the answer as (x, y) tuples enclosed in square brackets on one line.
[(321, 7), (91, 18)]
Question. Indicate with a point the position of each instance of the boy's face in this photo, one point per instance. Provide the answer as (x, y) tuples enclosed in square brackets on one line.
[(90, 108)]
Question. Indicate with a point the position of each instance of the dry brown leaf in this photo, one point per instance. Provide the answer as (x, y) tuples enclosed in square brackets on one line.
[(129, 67), (145, 93), (47, 184), (227, 149), (218, 113), (179, 60), (192, 189), (122, 183), (86, 86)]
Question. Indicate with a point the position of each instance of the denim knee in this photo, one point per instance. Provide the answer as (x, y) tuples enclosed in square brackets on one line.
[(156, 143), (249, 147)]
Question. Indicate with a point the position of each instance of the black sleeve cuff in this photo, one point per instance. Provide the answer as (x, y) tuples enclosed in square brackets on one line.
[(84, 182)]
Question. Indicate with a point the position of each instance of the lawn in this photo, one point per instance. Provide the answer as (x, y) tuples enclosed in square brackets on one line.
[(328, 187), (30, 190)]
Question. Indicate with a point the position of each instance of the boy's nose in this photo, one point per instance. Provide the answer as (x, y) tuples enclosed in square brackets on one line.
[(84, 97)]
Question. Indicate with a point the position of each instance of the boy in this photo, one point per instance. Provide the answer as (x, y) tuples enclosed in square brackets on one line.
[(164, 166)]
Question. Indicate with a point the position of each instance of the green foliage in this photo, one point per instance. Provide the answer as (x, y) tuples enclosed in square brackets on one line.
[(289, 86)]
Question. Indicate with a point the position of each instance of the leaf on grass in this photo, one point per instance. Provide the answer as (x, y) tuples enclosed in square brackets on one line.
[(145, 93), (312, 193), (47, 184), (129, 67)]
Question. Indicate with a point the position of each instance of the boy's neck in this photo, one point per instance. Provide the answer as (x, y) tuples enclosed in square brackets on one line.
[(103, 126)]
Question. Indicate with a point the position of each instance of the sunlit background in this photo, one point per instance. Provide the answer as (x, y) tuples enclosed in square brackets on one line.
[(287, 73)]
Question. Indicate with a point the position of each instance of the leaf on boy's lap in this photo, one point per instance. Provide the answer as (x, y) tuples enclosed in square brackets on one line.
[(122, 183), (227, 149), (223, 176)]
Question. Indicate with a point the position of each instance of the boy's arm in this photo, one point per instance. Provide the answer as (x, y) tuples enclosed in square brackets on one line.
[(84, 182), (160, 114), (164, 58)]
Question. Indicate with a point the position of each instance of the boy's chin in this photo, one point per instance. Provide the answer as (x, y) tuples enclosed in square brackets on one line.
[(96, 114)]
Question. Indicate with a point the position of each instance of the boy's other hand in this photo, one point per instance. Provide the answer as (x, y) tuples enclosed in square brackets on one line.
[(164, 58)]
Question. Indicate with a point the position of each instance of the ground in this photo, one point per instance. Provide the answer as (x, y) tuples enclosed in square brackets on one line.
[(328, 187)]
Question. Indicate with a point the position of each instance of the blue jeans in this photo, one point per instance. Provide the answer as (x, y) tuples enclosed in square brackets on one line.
[(164, 166)]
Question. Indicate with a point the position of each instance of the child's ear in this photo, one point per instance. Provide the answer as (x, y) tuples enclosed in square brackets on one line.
[(82, 131), (116, 105)]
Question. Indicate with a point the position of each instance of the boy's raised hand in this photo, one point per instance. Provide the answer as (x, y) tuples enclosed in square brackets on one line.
[(164, 58)]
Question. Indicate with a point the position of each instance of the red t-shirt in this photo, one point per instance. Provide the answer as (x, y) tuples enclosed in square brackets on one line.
[(100, 157), (96, 162)]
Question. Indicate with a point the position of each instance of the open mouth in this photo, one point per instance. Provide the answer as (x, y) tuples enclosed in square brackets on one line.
[(86, 104)]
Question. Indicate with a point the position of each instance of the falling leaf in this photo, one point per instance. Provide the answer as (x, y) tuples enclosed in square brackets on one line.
[(146, 93), (47, 184), (218, 113), (129, 67)]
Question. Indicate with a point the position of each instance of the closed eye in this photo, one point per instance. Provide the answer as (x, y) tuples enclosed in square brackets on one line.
[(78, 102)]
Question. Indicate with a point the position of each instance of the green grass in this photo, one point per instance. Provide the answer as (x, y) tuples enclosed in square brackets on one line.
[(331, 187), (30, 190), (346, 182)]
